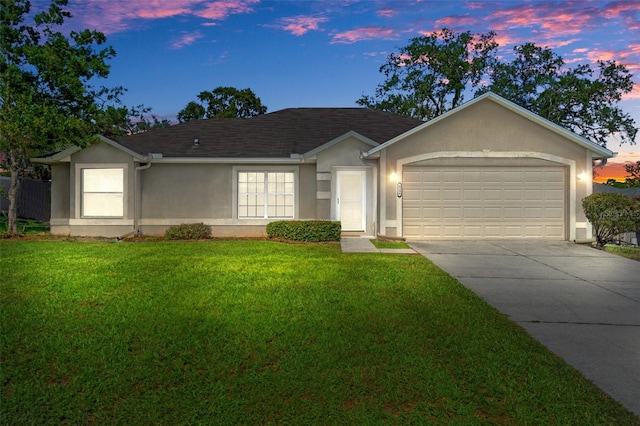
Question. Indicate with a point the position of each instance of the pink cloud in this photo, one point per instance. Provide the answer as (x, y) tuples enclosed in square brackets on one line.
[(618, 8), (300, 25), (109, 16), (364, 33), (386, 13), (220, 10), (634, 94), (186, 39), (476, 5), (456, 22)]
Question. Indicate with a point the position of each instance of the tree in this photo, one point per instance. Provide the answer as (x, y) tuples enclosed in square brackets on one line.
[(223, 102), (47, 100), (117, 121), (611, 214), (193, 111), (633, 176), (430, 75), (580, 99)]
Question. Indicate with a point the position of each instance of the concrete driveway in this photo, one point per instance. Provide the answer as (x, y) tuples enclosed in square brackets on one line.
[(582, 303)]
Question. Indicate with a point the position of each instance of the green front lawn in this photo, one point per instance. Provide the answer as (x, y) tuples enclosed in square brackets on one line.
[(390, 244), (259, 332), (625, 251)]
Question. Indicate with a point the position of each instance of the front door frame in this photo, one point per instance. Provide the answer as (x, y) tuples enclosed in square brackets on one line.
[(363, 192)]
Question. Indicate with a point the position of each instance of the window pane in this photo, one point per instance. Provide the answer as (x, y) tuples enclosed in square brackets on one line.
[(102, 205), (103, 180), (265, 194), (102, 192)]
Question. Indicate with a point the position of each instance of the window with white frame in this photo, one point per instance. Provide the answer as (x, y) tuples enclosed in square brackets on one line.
[(103, 192), (265, 194)]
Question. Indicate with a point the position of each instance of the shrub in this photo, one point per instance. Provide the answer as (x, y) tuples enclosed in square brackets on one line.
[(188, 231), (611, 214), (305, 230)]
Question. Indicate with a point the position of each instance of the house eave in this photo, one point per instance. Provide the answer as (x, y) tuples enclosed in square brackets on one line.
[(63, 156), (327, 145), (230, 160), (135, 155)]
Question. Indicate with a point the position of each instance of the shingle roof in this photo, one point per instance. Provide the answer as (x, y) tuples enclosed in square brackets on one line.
[(275, 135)]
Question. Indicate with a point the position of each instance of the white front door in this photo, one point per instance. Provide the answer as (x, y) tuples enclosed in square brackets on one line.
[(350, 200)]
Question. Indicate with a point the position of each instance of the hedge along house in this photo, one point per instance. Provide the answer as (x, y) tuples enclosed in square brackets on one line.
[(488, 169)]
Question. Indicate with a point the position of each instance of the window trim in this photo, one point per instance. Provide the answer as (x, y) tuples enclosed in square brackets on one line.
[(265, 169), (79, 191)]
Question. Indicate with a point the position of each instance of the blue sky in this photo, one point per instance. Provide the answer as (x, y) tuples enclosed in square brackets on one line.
[(327, 53)]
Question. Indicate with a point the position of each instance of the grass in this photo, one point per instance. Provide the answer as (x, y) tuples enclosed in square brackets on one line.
[(259, 332), (388, 244), (625, 251), (25, 226)]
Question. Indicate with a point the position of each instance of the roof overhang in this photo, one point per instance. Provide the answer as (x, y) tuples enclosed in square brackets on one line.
[(229, 160), (65, 155), (597, 151), (351, 134)]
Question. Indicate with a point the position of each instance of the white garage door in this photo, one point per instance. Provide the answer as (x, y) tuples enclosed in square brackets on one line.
[(483, 202)]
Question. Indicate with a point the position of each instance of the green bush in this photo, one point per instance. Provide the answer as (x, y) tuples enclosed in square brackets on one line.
[(305, 230), (188, 231), (611, 214)]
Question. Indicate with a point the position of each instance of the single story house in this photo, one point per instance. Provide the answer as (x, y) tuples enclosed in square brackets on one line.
[(488, 169)]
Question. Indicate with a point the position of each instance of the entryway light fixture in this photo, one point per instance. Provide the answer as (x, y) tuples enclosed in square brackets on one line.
[(394, 177), (582, 177)]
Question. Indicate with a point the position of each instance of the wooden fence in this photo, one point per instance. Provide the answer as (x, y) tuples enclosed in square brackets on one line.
[(34, 198)]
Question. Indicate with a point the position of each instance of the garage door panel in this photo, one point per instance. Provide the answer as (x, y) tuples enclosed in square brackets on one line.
[(555, 195), (472, 176), (491, 202), (451, 194), (472, 212), (533, 177), (553, 213), (534, 213), (515, 176), (431, 213), (554, 231), (452, 213), (430, 176), (412, 177), (413, 194), (491, 213), (471, 195), (512, 212), (432, 194), (452, 176), (492, 177), (492, 194), (412, 213), (512, 194), (534, 231), (533, 195)]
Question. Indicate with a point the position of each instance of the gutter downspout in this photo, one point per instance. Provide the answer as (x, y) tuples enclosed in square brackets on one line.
[(137, 194)]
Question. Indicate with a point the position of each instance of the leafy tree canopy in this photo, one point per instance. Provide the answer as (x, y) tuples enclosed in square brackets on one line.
[(633, 173), (431, 74), (47, 97), (223, 102), (581, 99)]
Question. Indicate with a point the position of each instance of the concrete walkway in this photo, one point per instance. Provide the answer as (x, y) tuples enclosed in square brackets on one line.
[(364, 245), (582, 303)]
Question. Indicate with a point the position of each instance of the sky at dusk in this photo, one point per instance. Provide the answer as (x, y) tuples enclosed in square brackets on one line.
[(328, 53)]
